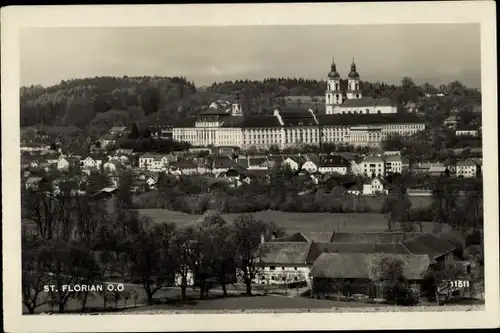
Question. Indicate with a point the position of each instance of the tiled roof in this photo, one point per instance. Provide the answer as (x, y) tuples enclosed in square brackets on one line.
[(368, 101), (187, 122), (118, 129), (345, 247), (33, 180), (334, 161), (466, 128), (466, 163), (393, 158), (373, 159), (261, 121), (215, 111), (368, 237), (362, 265), (368, 119), (278, 159), (233, 122), (298, 159), (285, 252), (257, 161), (223, 162), (428, 244)]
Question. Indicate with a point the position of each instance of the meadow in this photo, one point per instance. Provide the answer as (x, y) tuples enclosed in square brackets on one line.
[(292, 222)]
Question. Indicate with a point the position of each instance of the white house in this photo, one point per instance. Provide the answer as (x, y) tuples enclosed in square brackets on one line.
[(466, 132), (117, 130), (374, 186), (334, 164), (153, 162), (283, 263), (90, 162), (62, 164), (373, 166), (294, 162), (310, 166), (257, 163), (32, 182), (393, 164), (467, 169)]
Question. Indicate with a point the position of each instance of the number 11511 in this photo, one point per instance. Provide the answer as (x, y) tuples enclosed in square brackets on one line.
[(459, 284)]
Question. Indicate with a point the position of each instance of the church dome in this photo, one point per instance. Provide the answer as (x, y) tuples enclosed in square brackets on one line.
[(334, 75), (353, 74), (333, 71)]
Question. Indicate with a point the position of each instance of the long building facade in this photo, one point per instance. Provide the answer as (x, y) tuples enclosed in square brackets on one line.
[(348, 118)]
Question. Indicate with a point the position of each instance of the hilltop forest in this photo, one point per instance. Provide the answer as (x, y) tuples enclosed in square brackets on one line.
[(95, 104)]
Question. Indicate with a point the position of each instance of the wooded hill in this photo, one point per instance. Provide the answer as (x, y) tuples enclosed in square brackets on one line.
[(95, 104)]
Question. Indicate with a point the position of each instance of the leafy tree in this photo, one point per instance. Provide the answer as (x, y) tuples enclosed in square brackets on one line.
[(438, 282), (247, 237), (389, 272), (149, 262), (134, 133)]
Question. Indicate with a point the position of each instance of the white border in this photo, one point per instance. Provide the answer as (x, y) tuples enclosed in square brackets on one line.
[(13, 18)]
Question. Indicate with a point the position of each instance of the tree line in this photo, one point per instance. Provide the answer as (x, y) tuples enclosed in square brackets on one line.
[(92, 103), (82, 240)]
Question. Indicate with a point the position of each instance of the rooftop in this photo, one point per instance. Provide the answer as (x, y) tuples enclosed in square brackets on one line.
[(368, 101), (362, 265), (285, 252)]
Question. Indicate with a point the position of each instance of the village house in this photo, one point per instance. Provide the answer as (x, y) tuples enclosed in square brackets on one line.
[(468, 169), (373, 166), (294, 162), (284, 263), (154, 162), (275, 160), (152, 181), (113, 166), (393, 164), (451, 121), (32, 183), (334, 164), (107, 140), (123, 151), (310, 165), (117, 130), (437, 169), (331, 258), (331, 271), (257, 163), (391, 153), (222, 163), (466, 131), (374, 186), (62, 164)]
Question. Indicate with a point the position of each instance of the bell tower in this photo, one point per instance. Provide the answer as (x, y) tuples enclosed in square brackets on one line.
[(333, 94), (236, 109), (353, 89)]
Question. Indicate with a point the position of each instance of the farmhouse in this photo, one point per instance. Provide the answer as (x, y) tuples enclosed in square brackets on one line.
[(357, 272), (374, 186), (284, 262)]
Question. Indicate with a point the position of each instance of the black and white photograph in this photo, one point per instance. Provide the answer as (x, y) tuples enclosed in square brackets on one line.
[(221, 170)]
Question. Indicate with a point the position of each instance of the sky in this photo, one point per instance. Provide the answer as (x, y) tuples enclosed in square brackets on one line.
[(434, 53)]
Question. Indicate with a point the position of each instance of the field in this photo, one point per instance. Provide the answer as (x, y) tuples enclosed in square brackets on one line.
[(292, 222)]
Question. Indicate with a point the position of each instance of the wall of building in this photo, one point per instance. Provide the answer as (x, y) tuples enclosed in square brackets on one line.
[(275, 274)]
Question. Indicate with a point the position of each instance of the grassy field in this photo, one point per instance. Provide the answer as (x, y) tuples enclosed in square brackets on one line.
[(292, 222)]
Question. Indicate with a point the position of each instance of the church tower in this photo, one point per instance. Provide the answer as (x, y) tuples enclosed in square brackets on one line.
[(236, 109), (333, 95), (353, 89)]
